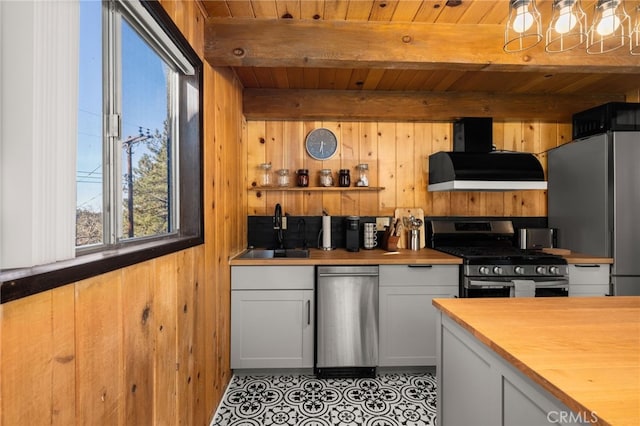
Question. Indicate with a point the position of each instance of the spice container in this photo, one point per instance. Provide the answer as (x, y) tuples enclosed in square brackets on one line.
[(264, 178), (303, 177), (344, 178), (326, 177), (363, 171), (283, 177)]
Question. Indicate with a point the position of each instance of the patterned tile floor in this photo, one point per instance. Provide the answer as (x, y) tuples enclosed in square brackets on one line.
[(387, 400)]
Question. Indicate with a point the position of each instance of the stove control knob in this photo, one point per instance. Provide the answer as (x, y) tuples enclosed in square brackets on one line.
[(519, 270), (497, 270), (540, 270), (484, 270), (554, 270)]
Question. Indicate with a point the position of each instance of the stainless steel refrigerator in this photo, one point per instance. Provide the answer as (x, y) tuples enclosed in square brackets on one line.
[(594, 201)]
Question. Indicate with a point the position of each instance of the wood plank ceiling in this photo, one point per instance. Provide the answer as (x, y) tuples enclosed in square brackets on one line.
[(314, 59)]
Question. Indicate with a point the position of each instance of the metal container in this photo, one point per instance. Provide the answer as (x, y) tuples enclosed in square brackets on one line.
[(537, 238), (414, 239)]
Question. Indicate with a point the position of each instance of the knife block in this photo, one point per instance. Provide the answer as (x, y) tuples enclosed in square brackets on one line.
[(389, 242)]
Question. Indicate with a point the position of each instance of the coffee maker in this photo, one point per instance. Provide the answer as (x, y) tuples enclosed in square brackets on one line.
[(352, 233)]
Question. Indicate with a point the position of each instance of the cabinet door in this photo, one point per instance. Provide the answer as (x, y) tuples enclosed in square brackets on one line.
[(589, 280), (408, 324), (272, 329)]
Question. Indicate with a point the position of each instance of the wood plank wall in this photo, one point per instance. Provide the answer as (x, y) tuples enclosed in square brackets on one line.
[(397, 154), (148, 344)]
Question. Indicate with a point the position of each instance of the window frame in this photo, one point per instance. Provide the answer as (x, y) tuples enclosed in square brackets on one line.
[(18, 283)]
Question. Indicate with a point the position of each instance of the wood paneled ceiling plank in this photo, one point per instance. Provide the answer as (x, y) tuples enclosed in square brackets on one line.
[(259, 104), (388, 80), (373, 79), (476, 12), (358, 77), (247, 77), (404, 80), (448, 79), (452, 14), (295, 76), (217, 8), (359, 10), (327, 79), (429, 11), (241, 9), (265, 9), (420, 80), (296, 43), (383, 10), (579, 84), (264, 76), (312, 9), (343, 76), (336, 10), (498, 14), (406, 11), (311, 78), (280, 77), (288, 9)]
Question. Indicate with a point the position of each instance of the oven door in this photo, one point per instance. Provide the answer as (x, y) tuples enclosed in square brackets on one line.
[(501, 286)]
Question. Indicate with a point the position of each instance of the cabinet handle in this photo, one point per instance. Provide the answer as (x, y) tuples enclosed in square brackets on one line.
[(308, 312), (420, 266), (587, 266)]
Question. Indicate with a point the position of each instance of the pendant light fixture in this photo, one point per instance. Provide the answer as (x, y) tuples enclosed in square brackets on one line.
[(635, 34), (568, 26), (611, 28), (523, 29)]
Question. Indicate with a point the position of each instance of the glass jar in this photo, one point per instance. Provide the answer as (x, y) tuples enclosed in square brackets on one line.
[(303, 177), (264, 178), (363, 178), (283, 177), (326, 177), (344, 178)]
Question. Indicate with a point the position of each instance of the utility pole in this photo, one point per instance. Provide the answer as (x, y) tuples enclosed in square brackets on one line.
[(128, 146)]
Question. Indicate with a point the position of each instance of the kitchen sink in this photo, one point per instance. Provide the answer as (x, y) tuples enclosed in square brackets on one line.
[(273, 254)]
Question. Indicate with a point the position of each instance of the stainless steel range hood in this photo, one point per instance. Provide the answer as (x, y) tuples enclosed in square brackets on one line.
[(473, 166)]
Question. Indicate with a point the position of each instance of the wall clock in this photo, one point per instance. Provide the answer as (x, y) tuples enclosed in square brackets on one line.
[(321, 144)]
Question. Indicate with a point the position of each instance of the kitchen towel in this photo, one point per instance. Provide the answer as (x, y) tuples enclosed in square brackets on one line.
[(326, 232), (523, 288)]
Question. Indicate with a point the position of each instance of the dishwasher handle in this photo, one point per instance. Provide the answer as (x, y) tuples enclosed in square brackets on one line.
[(348, 274)]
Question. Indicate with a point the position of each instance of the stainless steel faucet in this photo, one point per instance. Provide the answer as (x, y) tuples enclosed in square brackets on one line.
[(277, 225)]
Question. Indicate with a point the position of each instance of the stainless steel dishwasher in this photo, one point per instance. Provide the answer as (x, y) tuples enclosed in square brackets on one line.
[(347, 321)]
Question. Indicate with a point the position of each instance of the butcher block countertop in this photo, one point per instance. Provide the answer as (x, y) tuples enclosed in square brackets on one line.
[(424, 256), (574, 258), (584, 351)]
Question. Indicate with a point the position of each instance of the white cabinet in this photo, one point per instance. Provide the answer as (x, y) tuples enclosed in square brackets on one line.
[(272, 317), (407, 318), (476, 383), (589, 280)]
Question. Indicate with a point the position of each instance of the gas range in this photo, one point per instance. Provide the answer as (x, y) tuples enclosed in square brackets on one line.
[(492, 264)]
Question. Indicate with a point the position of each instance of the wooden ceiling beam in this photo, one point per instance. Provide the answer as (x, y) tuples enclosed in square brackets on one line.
[(383, 45), (355, 105)]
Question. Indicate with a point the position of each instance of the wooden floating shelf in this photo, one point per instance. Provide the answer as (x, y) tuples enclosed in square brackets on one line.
[(317, 188)]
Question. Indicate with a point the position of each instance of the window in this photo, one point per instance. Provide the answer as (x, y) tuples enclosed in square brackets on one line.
[(128, 145), (113, 132)]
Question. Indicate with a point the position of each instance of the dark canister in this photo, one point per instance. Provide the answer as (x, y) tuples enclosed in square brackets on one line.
[(352, 233), (344, 178), (303, 177)]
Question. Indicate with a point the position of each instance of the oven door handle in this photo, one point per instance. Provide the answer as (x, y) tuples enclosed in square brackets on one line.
[(502, 284)]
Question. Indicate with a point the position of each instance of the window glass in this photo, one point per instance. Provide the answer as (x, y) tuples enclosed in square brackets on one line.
[(146, 138), (89, 168)]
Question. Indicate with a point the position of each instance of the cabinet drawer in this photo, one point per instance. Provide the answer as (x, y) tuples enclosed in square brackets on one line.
[(411, 275), (589, 274), (272, 277)]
